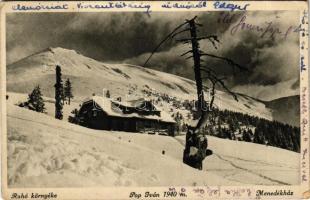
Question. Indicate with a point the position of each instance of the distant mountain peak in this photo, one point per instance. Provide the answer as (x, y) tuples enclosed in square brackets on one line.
[(59, 50), (90, 76)]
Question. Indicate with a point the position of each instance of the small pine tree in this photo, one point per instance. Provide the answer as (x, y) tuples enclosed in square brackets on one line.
[(35, 100), (74, 119), (58, 94), (68, 91), (246, 136)]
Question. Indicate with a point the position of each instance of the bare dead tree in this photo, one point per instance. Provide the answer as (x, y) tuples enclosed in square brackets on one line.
[(203, 74)]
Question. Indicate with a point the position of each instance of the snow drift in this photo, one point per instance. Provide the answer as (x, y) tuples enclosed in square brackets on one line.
[(45, 152)]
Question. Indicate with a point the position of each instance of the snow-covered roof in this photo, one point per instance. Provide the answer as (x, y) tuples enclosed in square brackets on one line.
[(110, 107)]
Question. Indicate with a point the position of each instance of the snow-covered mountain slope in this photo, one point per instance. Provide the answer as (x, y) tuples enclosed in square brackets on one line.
[(49, 104), (284, 107), (78, 156), (89, 76)]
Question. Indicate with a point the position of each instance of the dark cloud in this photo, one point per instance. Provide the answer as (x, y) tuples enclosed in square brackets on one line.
[(130, 37), (271, 60), (103, 36)]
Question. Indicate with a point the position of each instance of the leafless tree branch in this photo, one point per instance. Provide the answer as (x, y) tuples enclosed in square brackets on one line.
[(229, 61), (190, 51), (164, 40), (182, 31)]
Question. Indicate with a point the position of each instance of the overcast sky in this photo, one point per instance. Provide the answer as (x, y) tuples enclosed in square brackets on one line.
[(130, 37)]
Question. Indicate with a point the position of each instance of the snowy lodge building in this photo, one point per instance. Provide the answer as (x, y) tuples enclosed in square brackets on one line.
[(133, 116)]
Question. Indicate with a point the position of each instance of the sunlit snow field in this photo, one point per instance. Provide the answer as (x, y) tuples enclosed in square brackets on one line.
[(45, 152)]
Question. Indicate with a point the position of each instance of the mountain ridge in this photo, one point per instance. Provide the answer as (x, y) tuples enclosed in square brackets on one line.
[(284, 107), (90, 76)]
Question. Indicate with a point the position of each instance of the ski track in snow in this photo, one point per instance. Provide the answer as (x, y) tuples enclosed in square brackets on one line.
[(250, 171), (236, 166)]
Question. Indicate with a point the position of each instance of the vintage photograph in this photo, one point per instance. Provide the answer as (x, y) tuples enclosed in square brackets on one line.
[(132, 99)]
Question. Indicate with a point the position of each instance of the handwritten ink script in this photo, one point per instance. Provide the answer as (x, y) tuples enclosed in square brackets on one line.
[(304, 17), (238, 192), (304, 21), (302, 46), (230, 6), (302, 63), (38, 7), (213, 191), (268, 29), (145, 7), (304, 105), (304, 136), (304, 165), (119, 5), (185, 5)]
